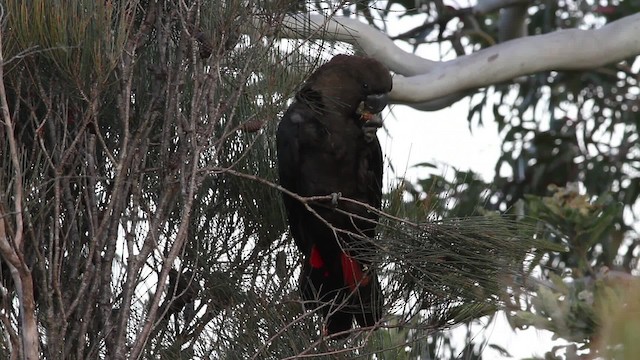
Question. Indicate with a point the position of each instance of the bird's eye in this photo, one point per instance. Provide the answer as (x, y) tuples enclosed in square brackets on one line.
[(365, 86)]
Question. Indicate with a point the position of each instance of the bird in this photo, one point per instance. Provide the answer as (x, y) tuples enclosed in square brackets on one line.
[(182, 291), (327, 146)]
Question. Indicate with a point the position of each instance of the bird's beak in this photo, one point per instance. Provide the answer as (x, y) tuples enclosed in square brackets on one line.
[(372, 104), (376, 102)]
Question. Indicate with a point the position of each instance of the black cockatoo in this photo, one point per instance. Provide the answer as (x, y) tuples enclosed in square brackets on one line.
[(327, 146)]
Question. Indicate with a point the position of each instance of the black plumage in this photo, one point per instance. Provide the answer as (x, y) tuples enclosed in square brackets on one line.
[(182, 291), (327, 145)]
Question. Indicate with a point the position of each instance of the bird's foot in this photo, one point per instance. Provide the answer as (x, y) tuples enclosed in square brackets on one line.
[(370, 127), (334, 198)]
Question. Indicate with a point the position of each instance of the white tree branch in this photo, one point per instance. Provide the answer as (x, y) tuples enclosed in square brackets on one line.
[(570, 49), (373, 42), (426, 80)]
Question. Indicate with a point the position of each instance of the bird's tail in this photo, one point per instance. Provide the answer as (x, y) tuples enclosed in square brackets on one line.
[(352, 273), (366, 294), (358, 294)]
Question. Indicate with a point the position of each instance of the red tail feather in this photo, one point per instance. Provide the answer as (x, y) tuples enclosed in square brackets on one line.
[(315, 259), (352, 273)]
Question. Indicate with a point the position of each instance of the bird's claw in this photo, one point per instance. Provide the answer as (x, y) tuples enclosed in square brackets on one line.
[(335, 197), (371, 127)]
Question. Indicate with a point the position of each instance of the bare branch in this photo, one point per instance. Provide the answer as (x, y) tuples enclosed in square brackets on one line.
[(570, 49), (12, 252), (441, 102), (13, 343), (426, 80), (373, 42)]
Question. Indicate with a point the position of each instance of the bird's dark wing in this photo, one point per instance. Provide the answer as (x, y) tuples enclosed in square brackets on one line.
[(376, 163), (370, 176), (288, 148)]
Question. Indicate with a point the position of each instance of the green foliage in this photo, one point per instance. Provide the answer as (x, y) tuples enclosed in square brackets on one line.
[(580, 283), (146, 130), (619, 308), (78, 42), (567, 126), (586, 227)]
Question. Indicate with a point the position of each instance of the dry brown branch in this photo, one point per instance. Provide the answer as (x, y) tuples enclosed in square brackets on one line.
[(11, 248)]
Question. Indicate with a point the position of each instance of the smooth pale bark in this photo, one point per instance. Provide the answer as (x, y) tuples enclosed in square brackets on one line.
[(570, 49), (419, 80)]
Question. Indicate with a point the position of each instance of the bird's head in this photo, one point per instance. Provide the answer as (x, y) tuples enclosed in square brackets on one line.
[(355, 86)]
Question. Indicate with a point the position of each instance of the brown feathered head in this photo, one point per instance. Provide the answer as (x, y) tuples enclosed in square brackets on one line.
[(355, 86)]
